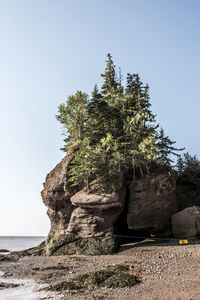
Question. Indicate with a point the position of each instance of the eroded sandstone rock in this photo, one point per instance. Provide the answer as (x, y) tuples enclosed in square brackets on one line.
[(80, 222), (83, 223), (152, 202), (186, 223), (56, 196)]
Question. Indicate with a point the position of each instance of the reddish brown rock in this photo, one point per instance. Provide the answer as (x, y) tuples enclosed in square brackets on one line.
[(56, 196), (79, 215), (186, 223), (105, 201), (152, 202), (84, 222)]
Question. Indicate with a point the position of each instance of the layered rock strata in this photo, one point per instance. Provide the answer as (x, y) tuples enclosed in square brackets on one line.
[(152, 202), (81, 223), (56, 196)]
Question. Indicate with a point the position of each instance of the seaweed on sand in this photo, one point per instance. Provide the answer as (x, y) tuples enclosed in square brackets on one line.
[(118, 276)]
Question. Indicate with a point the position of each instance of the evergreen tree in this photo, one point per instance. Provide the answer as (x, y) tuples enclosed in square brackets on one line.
[(72, 115), (96, 95), (98, 117), (112, 133), (120, 87), (188, 171), (166, 149), (139, 125), (110, 87)]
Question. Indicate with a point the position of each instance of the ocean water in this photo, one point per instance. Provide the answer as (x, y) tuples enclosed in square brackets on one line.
[(27, 288), (16, 243)]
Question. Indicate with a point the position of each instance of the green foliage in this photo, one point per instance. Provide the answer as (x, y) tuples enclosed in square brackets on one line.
[(188, 181), (96, 166), (166, 149), (188, 171), (72, 115), (112, 132), (139, 126), (110, 86)]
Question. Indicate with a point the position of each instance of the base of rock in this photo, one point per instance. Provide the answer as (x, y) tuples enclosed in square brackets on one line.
[(86, 246)]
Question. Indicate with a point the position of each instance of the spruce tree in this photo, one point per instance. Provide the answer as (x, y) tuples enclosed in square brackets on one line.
[(113, 133), (188, 172), (139, 125), (166, 150), (110, 85), (98, 117)]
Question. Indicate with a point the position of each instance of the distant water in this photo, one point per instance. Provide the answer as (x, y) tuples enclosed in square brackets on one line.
[(26, 290), (17, 243)]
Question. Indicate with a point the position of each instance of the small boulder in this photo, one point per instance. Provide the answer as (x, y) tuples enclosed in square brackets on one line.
[(186, 223)]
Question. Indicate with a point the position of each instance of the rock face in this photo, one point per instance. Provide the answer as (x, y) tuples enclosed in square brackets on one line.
[(186, 223), (152, 202), (80, 222), (56, 196), (83, 223)]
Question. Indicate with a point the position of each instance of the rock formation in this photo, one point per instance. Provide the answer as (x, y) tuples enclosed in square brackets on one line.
[(152, 202), (56, 196), (186, 223), (83, 223), (80, 222)]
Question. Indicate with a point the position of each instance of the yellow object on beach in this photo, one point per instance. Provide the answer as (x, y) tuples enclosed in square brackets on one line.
[(183, 242)]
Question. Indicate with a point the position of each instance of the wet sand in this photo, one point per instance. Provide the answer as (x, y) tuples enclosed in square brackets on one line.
[(26, 289)]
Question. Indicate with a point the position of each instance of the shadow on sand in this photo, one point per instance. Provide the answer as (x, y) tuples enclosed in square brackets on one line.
[(129, 243)]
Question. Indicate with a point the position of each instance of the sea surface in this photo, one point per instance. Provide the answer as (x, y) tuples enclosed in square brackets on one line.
[(16, 243), (27, 288)]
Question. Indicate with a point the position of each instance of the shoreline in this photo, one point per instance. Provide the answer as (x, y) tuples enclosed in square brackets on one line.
[(168, 272), (12, 288)]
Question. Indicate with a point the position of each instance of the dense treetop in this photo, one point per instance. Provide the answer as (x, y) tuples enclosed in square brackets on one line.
[(113, 132)]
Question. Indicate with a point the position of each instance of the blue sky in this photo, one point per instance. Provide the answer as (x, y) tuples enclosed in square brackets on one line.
[(50, 48)]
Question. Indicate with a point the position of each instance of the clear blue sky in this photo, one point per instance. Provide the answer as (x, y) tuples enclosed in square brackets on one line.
[(51, 48)]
